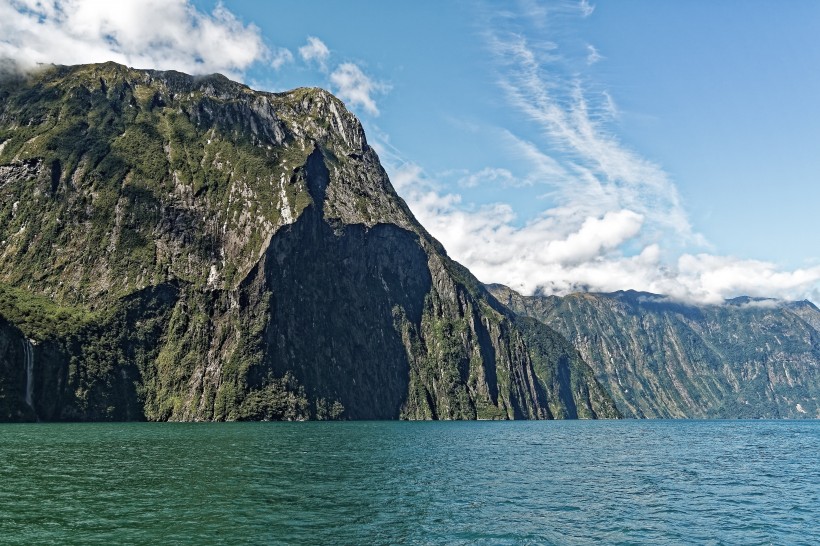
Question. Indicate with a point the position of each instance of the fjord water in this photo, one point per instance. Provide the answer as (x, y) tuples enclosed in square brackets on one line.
[(570, 482)]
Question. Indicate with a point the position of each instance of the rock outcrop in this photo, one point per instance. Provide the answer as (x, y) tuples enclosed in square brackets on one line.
[(186, 248)]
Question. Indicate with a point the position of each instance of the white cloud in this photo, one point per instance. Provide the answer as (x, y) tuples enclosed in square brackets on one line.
[(162, 34), (315, 51), (610, 108), (586, 8), (405, 178), (593, 56), (594, 236), (711, 278), (356, 88), (488, 175), (281, 57)]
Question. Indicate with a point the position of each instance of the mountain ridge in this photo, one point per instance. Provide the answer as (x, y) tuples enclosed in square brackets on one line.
[(186, 248), (748, 357)]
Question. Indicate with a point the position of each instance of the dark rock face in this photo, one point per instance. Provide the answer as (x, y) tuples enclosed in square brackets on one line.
[(743, 359), (184, 248), (13, 374), (334, 298)]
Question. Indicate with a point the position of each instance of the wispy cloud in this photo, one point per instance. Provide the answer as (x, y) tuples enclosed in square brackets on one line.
[(586, 8), (315, 51), (593, 56), (356, 88), (280, 57), (572, 128), (609, 106), (164, 34), (487, 176), (612, 219)]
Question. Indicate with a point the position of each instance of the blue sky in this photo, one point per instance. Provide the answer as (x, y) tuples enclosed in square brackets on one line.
[(666, 146)]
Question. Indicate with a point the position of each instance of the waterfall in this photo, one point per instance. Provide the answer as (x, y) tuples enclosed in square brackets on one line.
[(28, 355)]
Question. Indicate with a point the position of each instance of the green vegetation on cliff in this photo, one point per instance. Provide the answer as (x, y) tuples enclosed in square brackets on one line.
[(180, 248), (746, 358)]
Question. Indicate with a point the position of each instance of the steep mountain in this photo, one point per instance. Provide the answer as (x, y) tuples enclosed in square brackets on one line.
[(752, 358), (186, 248)]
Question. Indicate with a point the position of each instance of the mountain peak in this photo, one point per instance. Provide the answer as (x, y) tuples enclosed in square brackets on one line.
[(211, 159), (188, 248)]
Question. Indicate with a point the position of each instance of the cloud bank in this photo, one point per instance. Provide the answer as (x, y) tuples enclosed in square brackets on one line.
[(554, 255), (162, 34)]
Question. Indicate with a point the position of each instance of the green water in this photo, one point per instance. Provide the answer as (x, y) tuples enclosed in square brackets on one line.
[(631, 482)]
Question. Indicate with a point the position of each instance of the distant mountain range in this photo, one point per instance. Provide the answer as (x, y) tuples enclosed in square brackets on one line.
[(755, 358)]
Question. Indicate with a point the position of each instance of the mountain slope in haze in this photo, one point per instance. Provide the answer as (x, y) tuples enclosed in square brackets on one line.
[(186, 248), (747, 358)]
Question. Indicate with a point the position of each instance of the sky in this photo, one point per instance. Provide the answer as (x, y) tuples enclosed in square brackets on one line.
[(555, 146)]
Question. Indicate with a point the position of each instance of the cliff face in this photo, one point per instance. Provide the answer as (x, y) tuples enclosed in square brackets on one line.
[(746, 358), (179, 248)]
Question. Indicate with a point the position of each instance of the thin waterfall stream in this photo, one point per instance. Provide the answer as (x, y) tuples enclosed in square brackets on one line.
[(28, 355)]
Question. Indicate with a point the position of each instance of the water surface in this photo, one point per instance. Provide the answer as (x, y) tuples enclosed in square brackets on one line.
[(569, 482)]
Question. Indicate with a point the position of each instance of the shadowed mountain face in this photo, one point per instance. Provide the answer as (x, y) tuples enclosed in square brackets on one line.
[(179, 248), (747, 358)]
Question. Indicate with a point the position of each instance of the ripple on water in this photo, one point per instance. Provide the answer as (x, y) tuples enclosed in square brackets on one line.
[(639, 482)]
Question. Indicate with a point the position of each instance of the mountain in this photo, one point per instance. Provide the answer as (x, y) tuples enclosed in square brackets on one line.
[(186, 248), (747, 358)]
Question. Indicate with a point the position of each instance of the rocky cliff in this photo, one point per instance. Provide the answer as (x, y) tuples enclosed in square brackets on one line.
[(749, 358), (182, 248)]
